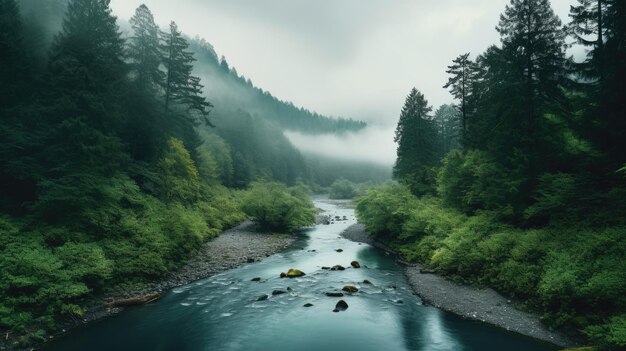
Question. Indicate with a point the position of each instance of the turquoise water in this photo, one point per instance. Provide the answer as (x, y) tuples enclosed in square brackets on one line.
[(221, 312)]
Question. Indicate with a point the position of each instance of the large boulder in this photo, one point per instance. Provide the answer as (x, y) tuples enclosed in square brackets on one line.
[(341, 306), (294, 273)]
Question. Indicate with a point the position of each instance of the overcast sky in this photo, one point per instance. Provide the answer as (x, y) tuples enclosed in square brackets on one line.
[(349, 58)]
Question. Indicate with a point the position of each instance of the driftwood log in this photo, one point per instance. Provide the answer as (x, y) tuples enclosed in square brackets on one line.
[(136, 300)]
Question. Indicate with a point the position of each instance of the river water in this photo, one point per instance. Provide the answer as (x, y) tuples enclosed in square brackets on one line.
[(221, 312)]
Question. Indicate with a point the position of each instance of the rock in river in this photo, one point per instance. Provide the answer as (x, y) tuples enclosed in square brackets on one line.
[(294, 273), (355, 264), (367, 282), (337, 268), (278, 292), (256, 279), (334, 294), (262, 297), (341, 306), (308, 305), (350, 288), (339, 250), (283, 275)]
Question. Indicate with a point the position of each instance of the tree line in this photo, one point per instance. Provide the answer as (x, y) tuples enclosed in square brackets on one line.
[(529, 196)]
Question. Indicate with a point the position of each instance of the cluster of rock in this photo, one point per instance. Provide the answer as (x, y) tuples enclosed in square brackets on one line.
[(330, 219), (294, 273)]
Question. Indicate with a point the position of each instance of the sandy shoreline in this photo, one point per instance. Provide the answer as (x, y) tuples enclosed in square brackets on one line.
[(485, 305)]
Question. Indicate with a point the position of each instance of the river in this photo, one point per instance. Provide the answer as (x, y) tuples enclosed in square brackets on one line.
[(221, 312)]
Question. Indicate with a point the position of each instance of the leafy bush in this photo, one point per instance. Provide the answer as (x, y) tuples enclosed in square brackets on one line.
[(473, 180), (274, 206), (385, 210), (342, 189)]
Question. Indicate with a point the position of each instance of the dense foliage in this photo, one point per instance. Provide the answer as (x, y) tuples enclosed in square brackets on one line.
[(112, 174), (530, 197), (274, 206)]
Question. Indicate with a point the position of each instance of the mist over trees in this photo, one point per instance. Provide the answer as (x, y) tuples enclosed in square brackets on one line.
[(115, 166)]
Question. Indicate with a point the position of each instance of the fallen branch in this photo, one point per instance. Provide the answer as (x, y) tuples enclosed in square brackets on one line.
[(137, 300)]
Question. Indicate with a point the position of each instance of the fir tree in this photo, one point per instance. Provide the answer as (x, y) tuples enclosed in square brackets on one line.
[(180, 86), (417, 151), (461, 82), (13, 58), (144, 50), (534, 43)]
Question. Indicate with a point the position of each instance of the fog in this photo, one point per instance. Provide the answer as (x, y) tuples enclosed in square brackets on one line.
[(355, 59), (374, 144)]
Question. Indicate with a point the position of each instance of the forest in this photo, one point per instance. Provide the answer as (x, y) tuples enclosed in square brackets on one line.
[(530, 196), (114, 165)]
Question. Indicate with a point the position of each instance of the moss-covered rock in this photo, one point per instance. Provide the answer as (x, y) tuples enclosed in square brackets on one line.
[(294, 273), (350, 288)]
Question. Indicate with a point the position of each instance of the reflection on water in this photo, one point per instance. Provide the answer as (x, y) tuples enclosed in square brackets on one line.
[(222, 312)]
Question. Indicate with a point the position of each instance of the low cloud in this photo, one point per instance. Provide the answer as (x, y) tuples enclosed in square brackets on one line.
[(372, 144)]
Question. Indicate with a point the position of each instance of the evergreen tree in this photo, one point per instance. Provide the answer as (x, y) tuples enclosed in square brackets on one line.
[(461, 83), (534, 43), (449, 127), (180, 86), (611, 117), (587, 26), (144, 50), (87, 64), (12, 60), (417, 151)]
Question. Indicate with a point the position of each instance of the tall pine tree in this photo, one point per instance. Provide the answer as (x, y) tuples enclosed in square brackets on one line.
[(533, 41), (180, 86), (461, 83), (417, 151), (144, 50)]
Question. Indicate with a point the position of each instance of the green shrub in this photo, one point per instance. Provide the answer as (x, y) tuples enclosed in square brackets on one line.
[(342, 189), (473, 180), (385, 209), (274, 206)]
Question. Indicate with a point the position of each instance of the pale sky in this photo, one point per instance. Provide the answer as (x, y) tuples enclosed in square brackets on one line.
[(350, 58)]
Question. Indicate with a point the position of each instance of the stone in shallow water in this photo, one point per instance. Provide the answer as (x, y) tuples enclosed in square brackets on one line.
[(278, 292), (334, 294), (339, 250), (294, 273), (341, 306), (308, 305), (355, 264), (367, 282), (256, 279), (262, 297), (350, 288), (338, 268)]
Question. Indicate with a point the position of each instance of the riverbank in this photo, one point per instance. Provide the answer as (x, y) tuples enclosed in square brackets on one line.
[(481, 304), (231, 249)]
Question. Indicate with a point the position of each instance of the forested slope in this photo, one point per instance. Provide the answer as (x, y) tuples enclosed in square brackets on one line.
[(115, 166), (532, 200)]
